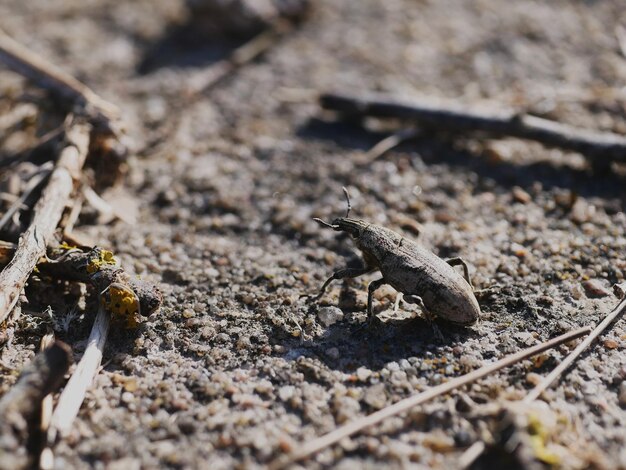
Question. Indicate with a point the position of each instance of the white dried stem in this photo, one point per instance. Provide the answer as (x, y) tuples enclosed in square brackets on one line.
[(74, 392), (46, 458), (46, 216)]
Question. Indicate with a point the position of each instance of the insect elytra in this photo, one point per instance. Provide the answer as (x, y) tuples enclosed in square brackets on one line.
[(415, 272)]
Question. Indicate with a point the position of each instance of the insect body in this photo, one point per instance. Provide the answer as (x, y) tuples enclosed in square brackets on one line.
[(420, 275)]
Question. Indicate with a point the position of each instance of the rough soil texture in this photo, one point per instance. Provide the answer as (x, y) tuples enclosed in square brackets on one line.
[(238, 367)]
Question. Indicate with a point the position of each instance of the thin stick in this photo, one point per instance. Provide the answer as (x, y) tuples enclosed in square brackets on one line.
[(74, 392), (558, 370), (410, 402), (46, 215), (46, 458), (501, 123), (48, 76), (72, 217), (388, 143)]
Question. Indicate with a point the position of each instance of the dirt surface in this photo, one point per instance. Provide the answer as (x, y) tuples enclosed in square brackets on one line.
[(238, 367)]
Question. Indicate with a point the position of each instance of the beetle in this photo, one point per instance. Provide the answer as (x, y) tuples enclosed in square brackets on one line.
[(419, 275)]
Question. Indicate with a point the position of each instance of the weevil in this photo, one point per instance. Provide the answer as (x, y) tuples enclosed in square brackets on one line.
[(415, 272)]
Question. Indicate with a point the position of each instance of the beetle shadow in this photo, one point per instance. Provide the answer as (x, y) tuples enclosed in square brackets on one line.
[(433, 149), (357, 345)]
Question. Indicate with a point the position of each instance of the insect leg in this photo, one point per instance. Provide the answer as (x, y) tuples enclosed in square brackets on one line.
[(370, 293), (343, 274), (461, 261), (399, 298)]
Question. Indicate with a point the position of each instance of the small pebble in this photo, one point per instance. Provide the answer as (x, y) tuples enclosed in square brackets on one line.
[(127, 397), (375, 396), (519, 195), (610, 344), (594, 288), (329, 316), (363, 374), (286, 392), (533, 379), (518, 250)]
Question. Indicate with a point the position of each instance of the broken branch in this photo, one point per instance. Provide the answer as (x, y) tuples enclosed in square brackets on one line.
[(496, 123), (46, 216), (410, 402)]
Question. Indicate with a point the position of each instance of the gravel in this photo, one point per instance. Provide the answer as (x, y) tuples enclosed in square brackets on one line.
[(240, 365)]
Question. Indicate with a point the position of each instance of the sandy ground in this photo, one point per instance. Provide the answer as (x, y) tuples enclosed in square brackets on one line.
[(238, 367)]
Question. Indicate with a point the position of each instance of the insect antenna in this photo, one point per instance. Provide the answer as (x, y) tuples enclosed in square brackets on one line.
[(345, 191), (325, 224)]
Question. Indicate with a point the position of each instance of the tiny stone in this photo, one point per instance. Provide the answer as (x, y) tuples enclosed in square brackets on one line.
[(519, 195), (375, 396), (363, 374), (286, 392), (533, 379), (576, 291), (329, 315), (610, 344), (582, 211), (594, 288), (127, 397), (620, 290)]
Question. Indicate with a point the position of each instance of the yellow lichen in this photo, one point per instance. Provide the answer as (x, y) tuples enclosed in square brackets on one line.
[(539, 437), (123, 304), (105, 258)]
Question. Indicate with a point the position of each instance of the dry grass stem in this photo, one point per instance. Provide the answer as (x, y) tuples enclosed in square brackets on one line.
[(404, 405), (74, 392)]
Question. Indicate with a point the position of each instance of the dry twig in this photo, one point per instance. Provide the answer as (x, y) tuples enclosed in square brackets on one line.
[(448, 118), (410, 402), (50, 77), (46, 216), (74, 392), (20, 406)]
